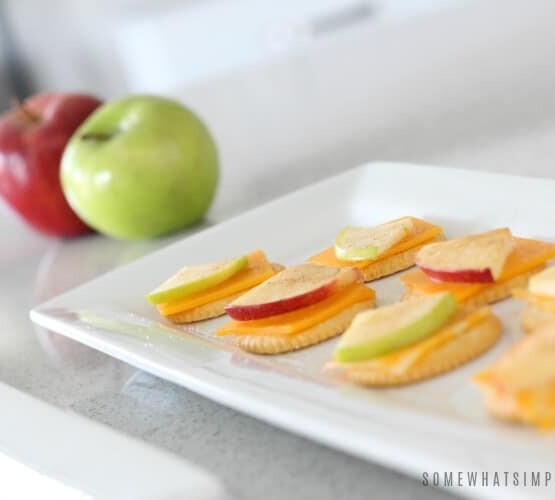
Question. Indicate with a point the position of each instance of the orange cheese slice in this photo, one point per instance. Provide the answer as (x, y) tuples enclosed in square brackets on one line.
[(527, 255), (534, 405), (537, 405), (258, 270), (402, 360), (422, 231), (542, 301), (301, 319)]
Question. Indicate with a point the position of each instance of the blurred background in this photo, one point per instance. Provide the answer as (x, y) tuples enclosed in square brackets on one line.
[(292, 91), (296, 90)]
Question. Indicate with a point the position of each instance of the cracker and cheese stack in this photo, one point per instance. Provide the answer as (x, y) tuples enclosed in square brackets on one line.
[(381, 250), (478, 269), (301, 306), (201, 292), (520, 387), (540, 298), (413, 340)]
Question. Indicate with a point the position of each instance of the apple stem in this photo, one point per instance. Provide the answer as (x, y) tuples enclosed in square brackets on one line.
[(95, 136), (18, 103)]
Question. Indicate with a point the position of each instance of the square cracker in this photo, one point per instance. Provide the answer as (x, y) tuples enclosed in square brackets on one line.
[(532, 316), (206, 311), (490, 294), (276, 344), (212, 309), (394, 263), (447, 357)]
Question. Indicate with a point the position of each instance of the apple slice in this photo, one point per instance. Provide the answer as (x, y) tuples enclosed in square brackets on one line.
[(479, 258), (190, 280), (293, 288), (543, 283), (364, 243), (380, 331)]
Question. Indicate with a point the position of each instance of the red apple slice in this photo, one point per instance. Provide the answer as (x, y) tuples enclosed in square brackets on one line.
[(479, 258), (293, 288)]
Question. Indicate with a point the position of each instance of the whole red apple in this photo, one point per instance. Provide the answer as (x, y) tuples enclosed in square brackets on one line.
[(33, 136)]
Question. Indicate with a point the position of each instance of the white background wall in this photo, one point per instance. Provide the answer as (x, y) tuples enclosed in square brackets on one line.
[(469, 84)]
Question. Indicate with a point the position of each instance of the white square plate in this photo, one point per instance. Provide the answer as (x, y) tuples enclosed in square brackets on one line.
[(438, 425)]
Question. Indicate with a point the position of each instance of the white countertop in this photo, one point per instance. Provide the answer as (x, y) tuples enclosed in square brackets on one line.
[(52, 454)]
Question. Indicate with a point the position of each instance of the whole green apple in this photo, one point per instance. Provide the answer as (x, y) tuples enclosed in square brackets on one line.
[(140, 167)]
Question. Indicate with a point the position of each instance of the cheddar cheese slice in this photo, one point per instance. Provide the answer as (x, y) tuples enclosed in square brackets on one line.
[(527, 255), (421, 232), (258, 270), (537, 406), (300, 319)]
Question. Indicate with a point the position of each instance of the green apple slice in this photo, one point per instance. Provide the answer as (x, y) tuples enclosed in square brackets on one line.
[(543, 283), (380, 331), (366, 243), (191, 280)]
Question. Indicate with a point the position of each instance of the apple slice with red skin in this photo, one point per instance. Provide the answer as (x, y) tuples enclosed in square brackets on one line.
[(294, 288), (478, 258)]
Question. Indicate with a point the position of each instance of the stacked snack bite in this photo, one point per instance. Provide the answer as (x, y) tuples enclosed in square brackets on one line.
[(301, 306), (202, 292), (413, 340), (478, 269), (380, 250), (540, 298), (520, 387)]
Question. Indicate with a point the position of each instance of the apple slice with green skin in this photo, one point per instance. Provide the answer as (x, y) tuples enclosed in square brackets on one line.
[(191, 280), (380, 331), (543, 283), (364, 243), (294, 288), (479, 258)]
